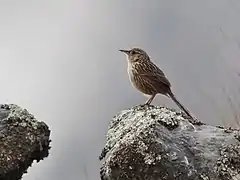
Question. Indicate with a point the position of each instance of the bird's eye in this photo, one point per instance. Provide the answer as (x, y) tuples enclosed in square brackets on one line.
[(133, 52)]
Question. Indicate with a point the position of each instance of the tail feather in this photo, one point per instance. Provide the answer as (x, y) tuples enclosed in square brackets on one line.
[(179, 104)]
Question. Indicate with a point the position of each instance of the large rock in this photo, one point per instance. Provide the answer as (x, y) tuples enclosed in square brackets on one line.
[(22, 140), (157, 143)]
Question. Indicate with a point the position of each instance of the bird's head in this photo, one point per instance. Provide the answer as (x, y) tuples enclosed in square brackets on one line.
[(136, 55)]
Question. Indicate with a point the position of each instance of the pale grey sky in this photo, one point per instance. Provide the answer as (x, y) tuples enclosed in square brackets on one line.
[(59, 60)]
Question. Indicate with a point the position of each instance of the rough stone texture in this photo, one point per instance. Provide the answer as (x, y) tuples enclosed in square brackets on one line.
[(22, 140), (156, 143)]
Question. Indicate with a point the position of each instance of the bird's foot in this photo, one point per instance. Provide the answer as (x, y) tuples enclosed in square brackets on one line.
[(143, 105), (146, 104)]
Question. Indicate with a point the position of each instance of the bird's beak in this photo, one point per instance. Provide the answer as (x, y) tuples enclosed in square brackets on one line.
[(125, 51)]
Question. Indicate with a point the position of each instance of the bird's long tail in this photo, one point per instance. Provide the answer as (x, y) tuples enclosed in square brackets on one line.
[(179, 104)]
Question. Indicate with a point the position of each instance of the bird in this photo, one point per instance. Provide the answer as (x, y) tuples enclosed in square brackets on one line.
[(148, 78)]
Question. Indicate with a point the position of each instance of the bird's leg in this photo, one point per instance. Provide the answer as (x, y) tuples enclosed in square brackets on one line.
[(148, 102)]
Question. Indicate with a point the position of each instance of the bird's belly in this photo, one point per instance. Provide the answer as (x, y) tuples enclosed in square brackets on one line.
[(140, 84)]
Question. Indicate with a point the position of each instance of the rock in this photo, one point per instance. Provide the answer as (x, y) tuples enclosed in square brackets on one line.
[(23, 139), (157, 143)]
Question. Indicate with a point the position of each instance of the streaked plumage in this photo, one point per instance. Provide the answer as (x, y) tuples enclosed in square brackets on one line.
[(147, 77)]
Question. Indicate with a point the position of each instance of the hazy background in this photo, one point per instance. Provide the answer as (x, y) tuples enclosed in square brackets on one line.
[(59, 60)]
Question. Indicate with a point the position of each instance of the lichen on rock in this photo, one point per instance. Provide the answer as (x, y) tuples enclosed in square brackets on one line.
[(153, 142), (22, 139)]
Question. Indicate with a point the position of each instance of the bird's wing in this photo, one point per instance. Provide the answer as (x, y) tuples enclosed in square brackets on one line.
[(156, 75), (160, 83)]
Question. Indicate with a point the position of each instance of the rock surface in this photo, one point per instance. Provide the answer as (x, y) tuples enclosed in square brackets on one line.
[(23, 139), (157, 143)]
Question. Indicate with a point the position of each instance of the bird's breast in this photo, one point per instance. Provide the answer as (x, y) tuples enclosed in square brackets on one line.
[(130, 70), (139, 82), (133, 76)]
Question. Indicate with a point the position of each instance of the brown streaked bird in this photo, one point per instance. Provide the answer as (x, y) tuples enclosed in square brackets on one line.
[(148, 78)]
